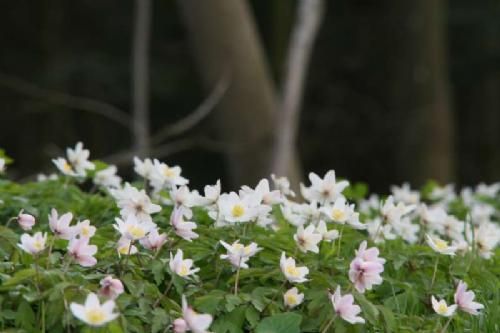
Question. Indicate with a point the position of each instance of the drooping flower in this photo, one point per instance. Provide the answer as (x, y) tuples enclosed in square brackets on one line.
[(93, 312), (440, 246), (183, 229), (441, 308), (307, 239), (366, 268), (110, 287), (292, 298), (465, 299), (25, 221), (154, 241), (345, 308), (60, 226), (191, 320), (180, 266), (2, 165), (33, 244), (238, 254), (292, 273), (83, 253)]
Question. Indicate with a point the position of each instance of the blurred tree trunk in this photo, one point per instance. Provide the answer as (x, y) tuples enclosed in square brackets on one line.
[(140, 77), (420, 91), (225, 40)]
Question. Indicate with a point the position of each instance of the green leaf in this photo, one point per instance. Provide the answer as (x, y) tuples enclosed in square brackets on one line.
[(280, 323), (18, 278), (209, 303), (25, 316), (370, 311), (160, 320), (389, 319)]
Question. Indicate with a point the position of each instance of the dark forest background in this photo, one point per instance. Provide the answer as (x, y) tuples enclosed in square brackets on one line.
[(395, 91)]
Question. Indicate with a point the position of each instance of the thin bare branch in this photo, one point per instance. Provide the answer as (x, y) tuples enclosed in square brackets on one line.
[(309, 15), (200, 113), (73, 102)]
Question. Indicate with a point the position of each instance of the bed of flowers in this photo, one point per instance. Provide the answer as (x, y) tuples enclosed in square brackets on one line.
[(83, 251)]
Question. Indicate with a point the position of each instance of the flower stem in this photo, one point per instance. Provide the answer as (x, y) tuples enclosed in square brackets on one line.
[(237, 278), (50, 252), (434, 274), (164, 293), (446, 325), (340, 240), (9, 221), (328, 325)]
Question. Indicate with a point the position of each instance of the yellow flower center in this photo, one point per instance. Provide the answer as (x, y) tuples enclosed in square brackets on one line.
[(184, 270), (38, 245), (238, 210), (291, 299), (338, 214), (67, 167), (124, 249), (442, 308), (95, 316), (136, 231), (441, 244), (85, 231), (292, 271), (169, 172)]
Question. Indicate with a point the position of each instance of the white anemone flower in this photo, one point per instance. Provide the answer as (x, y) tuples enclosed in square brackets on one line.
[(441, 246), (292, 273), (443, 309), (181, 267), (94, 313)]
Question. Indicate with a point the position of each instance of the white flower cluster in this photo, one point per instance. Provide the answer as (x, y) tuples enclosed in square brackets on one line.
[(405, 215)]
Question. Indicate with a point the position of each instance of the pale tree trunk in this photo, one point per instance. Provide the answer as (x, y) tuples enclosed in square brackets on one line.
[(420, 92), (225, 40), (140, 77), (309, 15)]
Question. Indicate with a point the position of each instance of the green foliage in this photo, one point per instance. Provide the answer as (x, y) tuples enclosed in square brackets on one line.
[(32, 289)]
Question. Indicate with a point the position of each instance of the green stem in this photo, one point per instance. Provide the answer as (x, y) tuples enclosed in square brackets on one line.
[(340, 240), (9, 221), (237, 278), (328, 325), (446, 325), (50, 252), (165, 293), (434, 274)]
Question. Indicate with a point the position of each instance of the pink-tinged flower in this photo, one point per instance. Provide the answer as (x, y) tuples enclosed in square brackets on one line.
[(33, 244), (85, 229), (183, 229), (26, 221), (111, 288), (195, 322), (180, 326), (366, 268), (465, 299), (443, 309), (83, 253), (60, 226), (344, 307), (154, 241)]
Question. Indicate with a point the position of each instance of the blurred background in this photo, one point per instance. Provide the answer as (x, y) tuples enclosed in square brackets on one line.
[(381, 91)]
